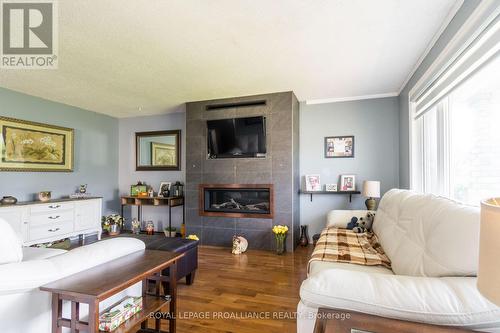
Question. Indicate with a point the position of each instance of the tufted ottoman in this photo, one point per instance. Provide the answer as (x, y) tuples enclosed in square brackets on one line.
[(186, 267)]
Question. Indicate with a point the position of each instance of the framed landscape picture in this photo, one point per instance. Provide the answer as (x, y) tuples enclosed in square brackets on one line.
[(339, 146), (30, 146)]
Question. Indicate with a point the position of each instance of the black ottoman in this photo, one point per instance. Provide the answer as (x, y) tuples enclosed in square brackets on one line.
[(187, 265)]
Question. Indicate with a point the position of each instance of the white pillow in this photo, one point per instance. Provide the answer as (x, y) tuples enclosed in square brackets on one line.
[(11, 247)]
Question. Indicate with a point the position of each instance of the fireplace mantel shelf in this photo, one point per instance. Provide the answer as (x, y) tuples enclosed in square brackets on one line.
[(349, 193)]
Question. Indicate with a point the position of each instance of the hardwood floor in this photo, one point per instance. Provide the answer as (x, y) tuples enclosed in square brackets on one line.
[(236, 293)]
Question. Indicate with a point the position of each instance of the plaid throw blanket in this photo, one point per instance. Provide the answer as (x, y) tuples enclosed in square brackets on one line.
[(346, 246)]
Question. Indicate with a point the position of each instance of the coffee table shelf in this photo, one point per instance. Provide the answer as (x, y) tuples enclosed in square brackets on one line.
[(150, 304)]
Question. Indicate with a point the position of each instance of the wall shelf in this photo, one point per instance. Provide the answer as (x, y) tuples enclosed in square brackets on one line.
[(349, 193)]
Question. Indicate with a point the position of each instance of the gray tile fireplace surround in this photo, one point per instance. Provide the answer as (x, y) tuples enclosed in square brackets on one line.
[(280, 167)]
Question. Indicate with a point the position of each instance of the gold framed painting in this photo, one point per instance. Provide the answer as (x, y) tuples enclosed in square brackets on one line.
[(30, 146), (163, 154)]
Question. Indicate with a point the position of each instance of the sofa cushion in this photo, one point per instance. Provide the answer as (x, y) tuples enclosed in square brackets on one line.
[(11, 248), (37, 253), (426, 235), (453, 301), (316, 267)]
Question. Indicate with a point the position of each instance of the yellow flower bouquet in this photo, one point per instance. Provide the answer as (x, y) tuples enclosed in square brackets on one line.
[(280, 232)]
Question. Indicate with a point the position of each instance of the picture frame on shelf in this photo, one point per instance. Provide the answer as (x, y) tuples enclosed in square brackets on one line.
[(347, 183), (331, 187), (313, 183), (164, 189), (135, 190), (339, 146)]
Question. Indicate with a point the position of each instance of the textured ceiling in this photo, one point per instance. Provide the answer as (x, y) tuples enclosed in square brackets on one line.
[(141, 57)]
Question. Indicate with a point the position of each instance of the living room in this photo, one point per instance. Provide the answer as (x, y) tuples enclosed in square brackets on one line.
[(234, 166)]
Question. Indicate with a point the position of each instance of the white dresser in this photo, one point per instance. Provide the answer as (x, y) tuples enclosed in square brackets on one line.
[(40, 222)]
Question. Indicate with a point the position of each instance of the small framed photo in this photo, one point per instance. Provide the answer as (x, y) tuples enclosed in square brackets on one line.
[(331, 187), (348, 183), (339, 146), (313, 183), (136, 189), (164, 189)]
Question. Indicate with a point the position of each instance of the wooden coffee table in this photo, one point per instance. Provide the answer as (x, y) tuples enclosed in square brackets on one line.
[(100, 282)]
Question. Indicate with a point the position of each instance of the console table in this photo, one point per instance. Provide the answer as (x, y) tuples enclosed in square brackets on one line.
[(100, 282), (154, 201)]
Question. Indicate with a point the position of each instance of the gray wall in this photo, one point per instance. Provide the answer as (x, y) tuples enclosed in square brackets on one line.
[(126, 170), (96, 151), (404, 163), (374, 123)]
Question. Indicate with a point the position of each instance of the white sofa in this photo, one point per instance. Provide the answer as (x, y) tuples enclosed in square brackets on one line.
[(23, 307), (433, 244)]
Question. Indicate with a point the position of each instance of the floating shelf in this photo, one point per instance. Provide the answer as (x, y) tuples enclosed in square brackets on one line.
[(349, 193)]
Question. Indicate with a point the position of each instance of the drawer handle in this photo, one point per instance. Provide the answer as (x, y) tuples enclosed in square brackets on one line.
[(54, 217), (54, 206), (53, 230)]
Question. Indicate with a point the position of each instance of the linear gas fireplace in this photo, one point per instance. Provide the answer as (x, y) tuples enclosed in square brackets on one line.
[(236, 200)]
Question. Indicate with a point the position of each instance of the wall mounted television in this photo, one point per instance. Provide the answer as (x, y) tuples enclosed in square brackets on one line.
[(237, 137)]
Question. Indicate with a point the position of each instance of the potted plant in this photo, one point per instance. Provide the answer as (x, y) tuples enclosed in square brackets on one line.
[(280, 232), (170, 231), (112, 224)]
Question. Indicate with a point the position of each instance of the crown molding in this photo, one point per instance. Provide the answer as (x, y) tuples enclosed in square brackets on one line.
[(350, 98)]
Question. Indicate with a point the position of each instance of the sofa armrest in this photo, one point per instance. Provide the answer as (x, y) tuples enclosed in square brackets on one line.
[(340, 218)]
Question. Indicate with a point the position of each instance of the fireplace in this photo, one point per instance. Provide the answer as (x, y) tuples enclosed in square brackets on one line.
[(236, 200)]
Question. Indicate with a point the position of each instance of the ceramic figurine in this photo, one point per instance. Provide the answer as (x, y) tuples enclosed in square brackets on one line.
[(44, 195), (240, 245), (82, 188)]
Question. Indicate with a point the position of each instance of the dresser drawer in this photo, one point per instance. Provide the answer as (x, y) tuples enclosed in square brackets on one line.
[(51, 207), (50, 230), (52, 217)]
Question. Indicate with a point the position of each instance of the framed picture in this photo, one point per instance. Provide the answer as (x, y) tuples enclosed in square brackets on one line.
[(163, 154), (136, 189), (348, 183), (339, 146), (164, 189), (30, 146), (331, 188), (313, 183)]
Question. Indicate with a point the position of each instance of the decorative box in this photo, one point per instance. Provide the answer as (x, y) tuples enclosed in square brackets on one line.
[(113, 317)]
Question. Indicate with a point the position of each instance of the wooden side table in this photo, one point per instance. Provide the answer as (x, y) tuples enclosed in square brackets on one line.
[(155, 202), (100, 282)]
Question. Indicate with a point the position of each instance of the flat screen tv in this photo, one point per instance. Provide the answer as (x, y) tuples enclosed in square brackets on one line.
[(237, 137)]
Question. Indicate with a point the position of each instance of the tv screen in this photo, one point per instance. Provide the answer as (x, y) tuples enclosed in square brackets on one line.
[(237, 137)]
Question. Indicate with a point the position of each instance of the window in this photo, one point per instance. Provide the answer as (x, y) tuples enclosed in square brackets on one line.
[(456, 142)]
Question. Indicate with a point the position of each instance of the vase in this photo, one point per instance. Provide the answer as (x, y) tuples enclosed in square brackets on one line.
[(304, 236), (8, 200), (114, 229), (280, 244)]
